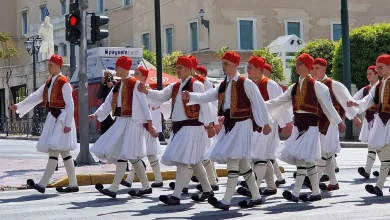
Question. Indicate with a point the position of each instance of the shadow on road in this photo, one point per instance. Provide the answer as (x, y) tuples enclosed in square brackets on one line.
[(359, 181), (100, 202), (29, 198)]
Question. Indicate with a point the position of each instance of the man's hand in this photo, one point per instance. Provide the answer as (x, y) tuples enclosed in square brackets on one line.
[(142, 88), (267, 129), (341, 127), (357, 121), (185, 95), (110, 84), (14, 107), (67, 129), (221, 119), (352, 103), (153, 132), (211, 132), (288, 129), (218, 128), (92, 117)]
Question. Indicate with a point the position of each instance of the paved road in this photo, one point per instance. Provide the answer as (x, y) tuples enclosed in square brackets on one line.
[(350, 202)]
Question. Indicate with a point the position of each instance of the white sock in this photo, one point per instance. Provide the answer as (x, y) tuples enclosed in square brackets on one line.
[(321, 164), (69, 166), (130, 175), (181, 175), (269, 176), (188, 176), (371, 156), (330, 169), (249, 176), (301, 174), (277, 170), (201, 175), (139, 169), (155, 164), (50, 168), (313, 176), (208, 166), (232, 167), (260, 168)]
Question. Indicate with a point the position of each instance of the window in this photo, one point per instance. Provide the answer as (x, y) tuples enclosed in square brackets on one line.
[(246, 29), (169, 40), (126, 2), (100, 5), (43, 12), (336, 31), (294, 27), (194, 37), (63, 7), (146, 40), (24, 22)]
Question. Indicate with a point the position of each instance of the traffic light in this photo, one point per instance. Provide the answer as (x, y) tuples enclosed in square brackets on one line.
[(73, 27), (96, 33)]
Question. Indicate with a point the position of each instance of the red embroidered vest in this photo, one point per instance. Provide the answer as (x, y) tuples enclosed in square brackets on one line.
[(200, 78), (262, 85), (127, 96), (56, 97), (192, 111), (385, 105), (305, 98), (366, 90), (240, 105)]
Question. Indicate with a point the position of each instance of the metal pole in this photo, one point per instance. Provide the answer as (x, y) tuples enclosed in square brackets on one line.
[(35, 130), (85, 157), (346, 60), (72, 59), (157, 22)]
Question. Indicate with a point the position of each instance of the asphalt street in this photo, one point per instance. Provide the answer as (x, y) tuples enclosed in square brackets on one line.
[(350, 202)]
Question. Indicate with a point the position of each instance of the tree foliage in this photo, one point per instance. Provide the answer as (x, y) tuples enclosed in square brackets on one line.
[(150, 56), (319, 48), (169, 62), (276, 63), (219, 53), (367, 43)]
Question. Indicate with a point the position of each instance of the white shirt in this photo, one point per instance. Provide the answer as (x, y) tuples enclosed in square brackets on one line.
[(36, 98), (359, 94), (259, 109), (140, 108), (178, 113), (278, 106), (368, 101)]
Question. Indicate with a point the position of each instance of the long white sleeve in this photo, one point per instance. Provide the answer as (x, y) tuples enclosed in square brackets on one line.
[(140, 106), (158, 97), (343, 96), (209, 96), (359, 94), (205, 114), (274, 91), (30, 102), (277, 107), (105, 109), (367, 101), (69, 104), (323, 97), (259, 108)]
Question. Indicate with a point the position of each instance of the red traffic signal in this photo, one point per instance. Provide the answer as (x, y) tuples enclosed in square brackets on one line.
[(74, 20), (73, 27)]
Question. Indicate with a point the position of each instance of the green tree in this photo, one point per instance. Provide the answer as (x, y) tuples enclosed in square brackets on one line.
[(169, 62), (150, 56), (367, 43), (219, 53), (8, 53), (320, 48), (276, 63)]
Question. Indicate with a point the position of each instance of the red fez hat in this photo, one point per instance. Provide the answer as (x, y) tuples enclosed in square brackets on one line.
[(194, 61), (143, 71), (124, 62), (385, 59), (56, 59), (373, 68), (184, 61), (268, 67), (232, 57), (257, 61), (307, 60), (201, 69), (321, 62)]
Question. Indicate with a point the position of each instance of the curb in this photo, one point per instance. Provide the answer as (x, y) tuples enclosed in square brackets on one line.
[(108, 178), (20, 138)]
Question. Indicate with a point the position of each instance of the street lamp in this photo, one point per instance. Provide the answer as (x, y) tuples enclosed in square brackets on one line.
[(205, 23), (33, 44)]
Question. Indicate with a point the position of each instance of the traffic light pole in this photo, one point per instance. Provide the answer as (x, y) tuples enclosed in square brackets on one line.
[(85, 157), (157, 21), (346, 60)]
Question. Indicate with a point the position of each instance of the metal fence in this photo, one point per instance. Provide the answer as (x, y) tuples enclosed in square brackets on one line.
[(33, 127)]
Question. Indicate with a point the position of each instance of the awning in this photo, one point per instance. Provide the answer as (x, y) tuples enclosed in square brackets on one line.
[(166, 79)]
